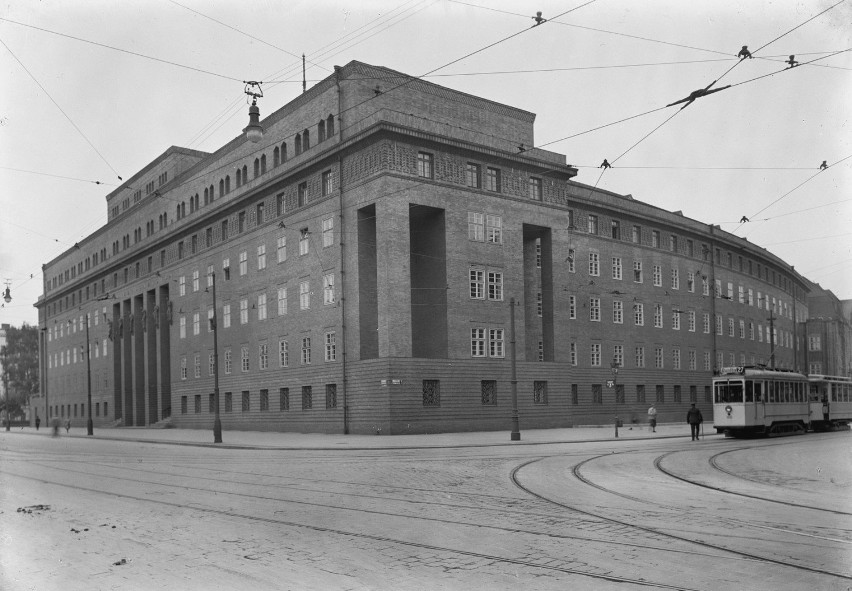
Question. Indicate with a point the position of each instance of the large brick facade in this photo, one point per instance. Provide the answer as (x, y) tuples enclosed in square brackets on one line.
[(363, 280)]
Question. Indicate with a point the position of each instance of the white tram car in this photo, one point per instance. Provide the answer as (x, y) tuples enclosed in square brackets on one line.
[(762, 401)]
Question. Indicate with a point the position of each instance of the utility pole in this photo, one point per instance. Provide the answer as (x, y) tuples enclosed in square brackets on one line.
[(771, 320), (89, 424), (516, 429), (6, 383), (217, 421)]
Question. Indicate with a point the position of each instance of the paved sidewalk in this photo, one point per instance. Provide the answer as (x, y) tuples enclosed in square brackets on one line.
[(277, 440)]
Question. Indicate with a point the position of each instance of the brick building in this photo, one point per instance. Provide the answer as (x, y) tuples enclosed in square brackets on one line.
[(829, 334), (365, 253)]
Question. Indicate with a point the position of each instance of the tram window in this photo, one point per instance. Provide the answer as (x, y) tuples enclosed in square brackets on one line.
[(771, 391), (814, 395), (757, 391), (833, 392), (729, 392), (786, 391), (749, 391)]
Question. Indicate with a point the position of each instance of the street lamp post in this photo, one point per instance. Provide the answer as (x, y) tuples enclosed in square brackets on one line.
[(614, 366), (89, 424), (217, 421), (516, 429)]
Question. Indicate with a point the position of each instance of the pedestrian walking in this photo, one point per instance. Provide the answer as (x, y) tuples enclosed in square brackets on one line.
[(67, 425), (38, 422), (694, 418), (55, 427), (652, 418)]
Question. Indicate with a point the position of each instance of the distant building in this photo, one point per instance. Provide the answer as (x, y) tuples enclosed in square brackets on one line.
[(829, 334), (366, 252)]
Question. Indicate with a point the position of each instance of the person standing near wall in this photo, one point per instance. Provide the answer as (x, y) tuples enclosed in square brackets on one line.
[(694, 418), (652, 418)]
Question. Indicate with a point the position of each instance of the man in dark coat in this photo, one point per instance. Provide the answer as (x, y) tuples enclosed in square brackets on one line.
[(694, 418)]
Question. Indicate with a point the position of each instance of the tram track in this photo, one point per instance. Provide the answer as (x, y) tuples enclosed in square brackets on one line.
[(655, 531), (366, 536)]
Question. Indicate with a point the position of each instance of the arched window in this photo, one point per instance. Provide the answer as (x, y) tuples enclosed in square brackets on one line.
[(329, 126), (276, 157), (320, 131), (245, 174), (297, 144), (239, 177), (212, 195), (263, 164), (306, 139), (221, 186), (183, 209), (197, 202), (191, 204), (177, 211), (206, 196), (256, 167), (283, 152), (227, 183)]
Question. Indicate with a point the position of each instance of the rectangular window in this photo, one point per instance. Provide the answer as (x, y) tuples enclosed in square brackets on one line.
[(676, 319), (226, 316), (594, 264), (263, 356), (658, 276), (183, 368), (328, 288), (327, 183), (572, 307), (597, 394), (473, 175), (570, 260), (182, 285), (540, 392), (229, 402), (244, 359), (331, 395), (196, 323), (283, 354), (330, 346), (284, 399), (281, 246), (675, 279), (706, 322), (658, 316), (261, 307), (592, 224), (302, 194), (475, 226), (246, 406), (655, 238), (640, 356), (496, 343), (424, 165), (661, 393), (637, 234), (431, 393), (640, 393), (658, 357), (572, 353), (282, 301), (690, 320), (616, 268), (494, 229), (676, 358), (197, 365), (639, 314), (327, 232), (306, 351), (228, 364), (304, 295), (243, 263), (244, 311), (692, 361), (488, 390), (264, 399), (261, 257), (618, 355), (495, 286), (477, 342), (477, 284), (615, 229), (304, 244), (492, 179), (618, 312), (637, 271), (594, 309), (307, 398), (535, 189), (182, 324), (595, 356)]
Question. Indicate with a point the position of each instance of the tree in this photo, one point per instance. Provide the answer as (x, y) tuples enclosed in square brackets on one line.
[(20, 359)]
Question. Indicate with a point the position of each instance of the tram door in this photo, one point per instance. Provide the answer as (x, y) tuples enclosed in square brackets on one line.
[(817, 403), (755, 397)]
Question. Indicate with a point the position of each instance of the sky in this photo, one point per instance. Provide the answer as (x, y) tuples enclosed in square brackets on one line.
[(96, 89)]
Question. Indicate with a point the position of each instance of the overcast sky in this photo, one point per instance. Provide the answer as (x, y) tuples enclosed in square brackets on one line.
[(96, 89)]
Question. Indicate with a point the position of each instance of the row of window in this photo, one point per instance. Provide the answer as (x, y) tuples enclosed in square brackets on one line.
[(540, 395), (262, 402), (329, 352), (64, 410)]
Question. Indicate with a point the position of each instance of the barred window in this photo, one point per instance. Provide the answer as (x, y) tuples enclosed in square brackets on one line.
[(284, 399), (307, 397), (661, 393), (197, 404), (246, 401), (540, 392), (597, 394), (640, 393), (331, 395), (619, 394), (264, 400), (229, 402), (489, 392), (431, 393), (575, 395), (677, 393)]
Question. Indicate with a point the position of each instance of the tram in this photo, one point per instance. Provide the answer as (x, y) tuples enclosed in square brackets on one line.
[(760, 401), (830, 399)]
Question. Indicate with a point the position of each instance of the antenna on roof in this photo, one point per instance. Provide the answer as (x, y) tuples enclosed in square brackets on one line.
[(304, 81)]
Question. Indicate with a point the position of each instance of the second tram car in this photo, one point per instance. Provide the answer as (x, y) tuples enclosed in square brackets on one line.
[(760, 401), (830, 401)]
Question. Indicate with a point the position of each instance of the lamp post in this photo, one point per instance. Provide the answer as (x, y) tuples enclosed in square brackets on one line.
[(516, 429), (254, 130), (6, 387), (89, 424), (614, 366), (217, 421)]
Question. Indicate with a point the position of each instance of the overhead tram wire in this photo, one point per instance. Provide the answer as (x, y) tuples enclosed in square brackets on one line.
[(58, 176), (61, 110)]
